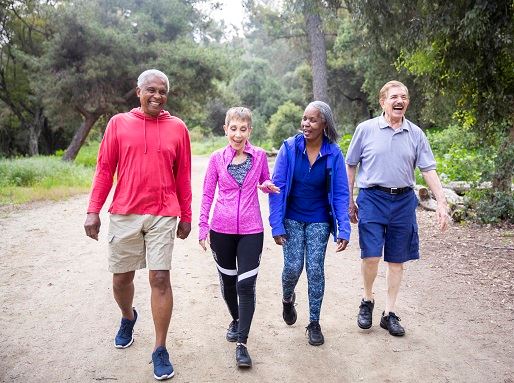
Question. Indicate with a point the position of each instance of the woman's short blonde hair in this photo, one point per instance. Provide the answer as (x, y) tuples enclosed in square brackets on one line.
[(391, 84), (239, 113)]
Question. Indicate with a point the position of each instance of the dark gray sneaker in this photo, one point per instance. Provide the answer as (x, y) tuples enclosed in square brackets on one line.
[(232, 331), (289, 312), (316, 337), (365, 317), (243, 359), (391, 323)]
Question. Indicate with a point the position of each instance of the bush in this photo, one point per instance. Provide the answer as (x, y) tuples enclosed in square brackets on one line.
[(491, 207), (458, 156), (284, 123), (344, 143)]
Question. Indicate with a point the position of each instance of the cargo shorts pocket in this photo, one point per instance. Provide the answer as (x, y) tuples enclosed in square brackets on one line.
[(414, 243)]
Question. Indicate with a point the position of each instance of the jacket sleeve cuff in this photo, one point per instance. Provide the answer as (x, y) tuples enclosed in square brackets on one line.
[(281, 230)]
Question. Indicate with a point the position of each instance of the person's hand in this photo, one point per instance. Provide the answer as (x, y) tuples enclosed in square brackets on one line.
[(202, 243), (341, 244), (442, 216), (184, 228), (280, 239), (353, 212), (92, 225), (268, 187)]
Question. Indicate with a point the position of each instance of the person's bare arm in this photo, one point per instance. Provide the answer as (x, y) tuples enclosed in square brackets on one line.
[(353, 210), (433, 182)]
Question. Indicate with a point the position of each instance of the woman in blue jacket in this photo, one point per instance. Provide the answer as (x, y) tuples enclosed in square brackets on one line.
[(313, 202)]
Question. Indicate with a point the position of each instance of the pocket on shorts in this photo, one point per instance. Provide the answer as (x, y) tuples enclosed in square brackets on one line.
[(111, 241), (414, 243)]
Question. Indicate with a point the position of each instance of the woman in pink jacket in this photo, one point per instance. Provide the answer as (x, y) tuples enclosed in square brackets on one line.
[(236, 229)]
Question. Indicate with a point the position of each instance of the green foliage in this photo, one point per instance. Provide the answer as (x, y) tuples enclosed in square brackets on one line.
[(459, 156), (284, 123), (42, 171), (344, 143), (88, 155), (207, 145), (490, 206)]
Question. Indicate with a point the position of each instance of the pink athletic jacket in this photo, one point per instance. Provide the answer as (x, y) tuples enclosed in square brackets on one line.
[(237, 209), (152, 160)]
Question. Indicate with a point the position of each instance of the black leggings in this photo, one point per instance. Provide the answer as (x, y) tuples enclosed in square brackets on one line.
[(238, 279)]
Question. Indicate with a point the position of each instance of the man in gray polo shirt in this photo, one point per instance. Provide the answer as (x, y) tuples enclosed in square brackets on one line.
[(387, 149)]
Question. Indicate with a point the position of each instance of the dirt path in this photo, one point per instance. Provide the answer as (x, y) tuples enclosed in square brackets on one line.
[(58, 317)]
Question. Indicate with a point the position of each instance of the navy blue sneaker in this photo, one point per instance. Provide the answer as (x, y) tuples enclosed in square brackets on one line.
[(162, 368), (124, 338)]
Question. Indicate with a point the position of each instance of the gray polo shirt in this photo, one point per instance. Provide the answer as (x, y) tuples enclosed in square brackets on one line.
[(388, 157)]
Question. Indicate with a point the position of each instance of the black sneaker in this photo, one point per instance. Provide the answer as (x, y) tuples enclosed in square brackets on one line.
[(315, 335), (289, 312), (232, 331), (392, 323), (365, 317), (243, 359)]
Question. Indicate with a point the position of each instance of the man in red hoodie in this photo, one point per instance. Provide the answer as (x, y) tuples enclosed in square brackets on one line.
[(150, 153)]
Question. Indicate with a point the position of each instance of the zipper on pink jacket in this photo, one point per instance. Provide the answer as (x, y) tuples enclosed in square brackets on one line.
[(240, 191), (238, 205)]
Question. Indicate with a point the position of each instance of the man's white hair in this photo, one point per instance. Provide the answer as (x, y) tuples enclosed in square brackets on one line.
[(150, 73)]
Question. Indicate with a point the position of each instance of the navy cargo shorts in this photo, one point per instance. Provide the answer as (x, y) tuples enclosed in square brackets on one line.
[(388, 222)]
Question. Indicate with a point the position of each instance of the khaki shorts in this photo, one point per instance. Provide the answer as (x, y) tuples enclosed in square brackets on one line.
[(137, 239)]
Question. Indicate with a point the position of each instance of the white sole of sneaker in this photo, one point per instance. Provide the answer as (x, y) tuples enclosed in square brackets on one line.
[(121, 346), (164, 377)]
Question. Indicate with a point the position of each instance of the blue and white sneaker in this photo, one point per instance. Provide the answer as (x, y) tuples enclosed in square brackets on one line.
[(162, 368), (124, 338)]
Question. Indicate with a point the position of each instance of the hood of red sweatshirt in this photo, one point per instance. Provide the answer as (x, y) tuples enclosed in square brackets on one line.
[(163, 115)]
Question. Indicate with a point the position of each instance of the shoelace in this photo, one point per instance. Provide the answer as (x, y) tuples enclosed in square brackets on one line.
[(313, 327), (161, 359), (233, 326), (124, 329)]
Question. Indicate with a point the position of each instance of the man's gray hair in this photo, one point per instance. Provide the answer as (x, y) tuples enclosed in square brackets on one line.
[(328, 117), (150, 73)]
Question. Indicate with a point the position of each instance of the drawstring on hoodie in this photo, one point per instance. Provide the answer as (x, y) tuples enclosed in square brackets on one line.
[(144, 124), (158, 133)]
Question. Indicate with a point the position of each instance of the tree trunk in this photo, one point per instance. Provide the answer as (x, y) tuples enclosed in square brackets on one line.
[(35, 129), (80, 136), (318, 51)]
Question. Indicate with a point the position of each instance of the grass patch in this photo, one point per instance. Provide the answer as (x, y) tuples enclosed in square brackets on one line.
[(41, 178), (208, 145)]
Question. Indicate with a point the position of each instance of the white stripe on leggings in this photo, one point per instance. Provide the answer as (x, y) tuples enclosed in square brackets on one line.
[(226, 271), (248, 274)]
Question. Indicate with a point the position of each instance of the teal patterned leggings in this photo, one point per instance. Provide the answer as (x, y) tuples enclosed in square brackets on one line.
[(305, 241)]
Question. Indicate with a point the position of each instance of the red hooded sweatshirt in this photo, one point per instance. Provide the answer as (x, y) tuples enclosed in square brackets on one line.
[(152, 159)]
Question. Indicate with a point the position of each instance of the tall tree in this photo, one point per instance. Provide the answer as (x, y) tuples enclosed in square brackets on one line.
[(462, 50), (318, 50), (23, 27), (92, 61)]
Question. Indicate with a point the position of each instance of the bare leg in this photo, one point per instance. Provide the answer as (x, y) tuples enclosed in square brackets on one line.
[(394, 279), (123, 291), (369, 269), (162, 304)]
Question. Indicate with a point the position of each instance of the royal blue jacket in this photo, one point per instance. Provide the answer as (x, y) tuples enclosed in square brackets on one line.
[(337, 187)]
